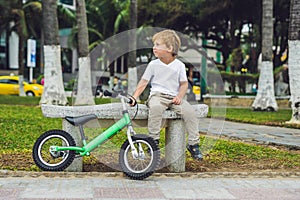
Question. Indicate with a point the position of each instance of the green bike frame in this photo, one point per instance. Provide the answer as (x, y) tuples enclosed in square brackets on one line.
[(100, 139)]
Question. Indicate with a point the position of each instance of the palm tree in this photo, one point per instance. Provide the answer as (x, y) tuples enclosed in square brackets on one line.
[(84, 88), (132, 70), (54, 92), (109, 17), (21, 29), (294, 59), (265, 98)]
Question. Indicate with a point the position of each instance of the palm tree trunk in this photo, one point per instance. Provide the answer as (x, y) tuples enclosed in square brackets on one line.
[(21, 65), (294, 59), (22, 33), (265, 98), (84, 88), (21, 61), (132, 70), (54, 92)]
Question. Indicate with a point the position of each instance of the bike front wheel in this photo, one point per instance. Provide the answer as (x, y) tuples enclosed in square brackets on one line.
[(46, 158), (144, 162)]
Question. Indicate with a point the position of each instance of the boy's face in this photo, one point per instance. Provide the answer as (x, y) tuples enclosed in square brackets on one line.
[(160, 49)]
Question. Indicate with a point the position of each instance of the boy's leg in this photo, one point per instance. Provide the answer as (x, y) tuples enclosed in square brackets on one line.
[(191, 122), (156, 109)]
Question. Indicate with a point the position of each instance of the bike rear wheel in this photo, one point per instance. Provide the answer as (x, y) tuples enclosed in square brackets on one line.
[(145, 163), (46, 158)]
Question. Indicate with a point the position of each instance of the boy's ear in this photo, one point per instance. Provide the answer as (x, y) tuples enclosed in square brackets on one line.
[(170, 50)]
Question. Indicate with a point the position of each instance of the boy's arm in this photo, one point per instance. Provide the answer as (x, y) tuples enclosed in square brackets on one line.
[(139, 89), (182, 91)]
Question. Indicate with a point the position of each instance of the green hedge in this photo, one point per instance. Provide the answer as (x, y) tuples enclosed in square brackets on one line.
[(213, 77)]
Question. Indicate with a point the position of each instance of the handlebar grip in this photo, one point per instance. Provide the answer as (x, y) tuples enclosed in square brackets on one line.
[(114, 95), (130, 101), (109, 94)]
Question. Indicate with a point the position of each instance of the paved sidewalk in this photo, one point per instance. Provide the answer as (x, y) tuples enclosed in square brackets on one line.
[(115, 186), (252, 133)]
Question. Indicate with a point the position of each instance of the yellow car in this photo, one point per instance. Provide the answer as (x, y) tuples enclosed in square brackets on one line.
[(10, 85)]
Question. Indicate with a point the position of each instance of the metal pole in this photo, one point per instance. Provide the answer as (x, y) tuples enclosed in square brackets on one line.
[(203, 82)]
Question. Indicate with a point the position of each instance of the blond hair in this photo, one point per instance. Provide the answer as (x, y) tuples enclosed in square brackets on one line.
[(170, 39)]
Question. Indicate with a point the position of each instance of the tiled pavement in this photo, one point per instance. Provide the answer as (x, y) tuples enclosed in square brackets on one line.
[(158, 187)]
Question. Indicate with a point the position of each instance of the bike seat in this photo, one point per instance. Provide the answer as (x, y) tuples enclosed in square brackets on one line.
[(80, 120)]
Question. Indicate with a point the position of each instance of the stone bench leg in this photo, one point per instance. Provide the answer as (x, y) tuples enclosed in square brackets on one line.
[(175, 145), (77, 164)]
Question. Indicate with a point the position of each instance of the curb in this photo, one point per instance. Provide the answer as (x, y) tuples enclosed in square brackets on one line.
[(26, 174)]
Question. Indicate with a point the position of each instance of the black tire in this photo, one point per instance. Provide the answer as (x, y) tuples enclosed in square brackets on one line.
[(30, 93), (53, 161), (143, 166)]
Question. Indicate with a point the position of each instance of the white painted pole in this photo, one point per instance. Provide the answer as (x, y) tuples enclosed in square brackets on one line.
[(30, 74)]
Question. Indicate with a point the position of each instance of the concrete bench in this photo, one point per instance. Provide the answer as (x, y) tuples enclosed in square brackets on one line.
[(108, 113)]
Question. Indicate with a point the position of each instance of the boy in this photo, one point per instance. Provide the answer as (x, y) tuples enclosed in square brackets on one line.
[(169, 84)]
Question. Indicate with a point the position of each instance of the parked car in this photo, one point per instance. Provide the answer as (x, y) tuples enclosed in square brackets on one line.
[(9, 85)]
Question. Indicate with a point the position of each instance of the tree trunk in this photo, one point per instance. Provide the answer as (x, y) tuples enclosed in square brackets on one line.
[(265, 98), (21, 62), (294, 59), (54, 92), (84, 88), (22, 34), (132, 71), (132, 36)]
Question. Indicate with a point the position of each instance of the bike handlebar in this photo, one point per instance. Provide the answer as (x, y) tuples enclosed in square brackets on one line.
[(117, 95)]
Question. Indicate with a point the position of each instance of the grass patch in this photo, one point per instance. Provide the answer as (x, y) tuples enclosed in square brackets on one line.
[(21, 125), (34, 101), (259, 117), (228, 151), (17, 100)]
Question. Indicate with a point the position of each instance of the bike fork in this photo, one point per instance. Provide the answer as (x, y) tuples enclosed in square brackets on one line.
[(134, 151)]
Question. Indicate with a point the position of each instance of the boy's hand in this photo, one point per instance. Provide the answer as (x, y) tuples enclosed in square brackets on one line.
[(177, 100), (133, 101)]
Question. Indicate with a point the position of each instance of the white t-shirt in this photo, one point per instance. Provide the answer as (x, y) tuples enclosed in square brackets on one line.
[(165, 78)]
